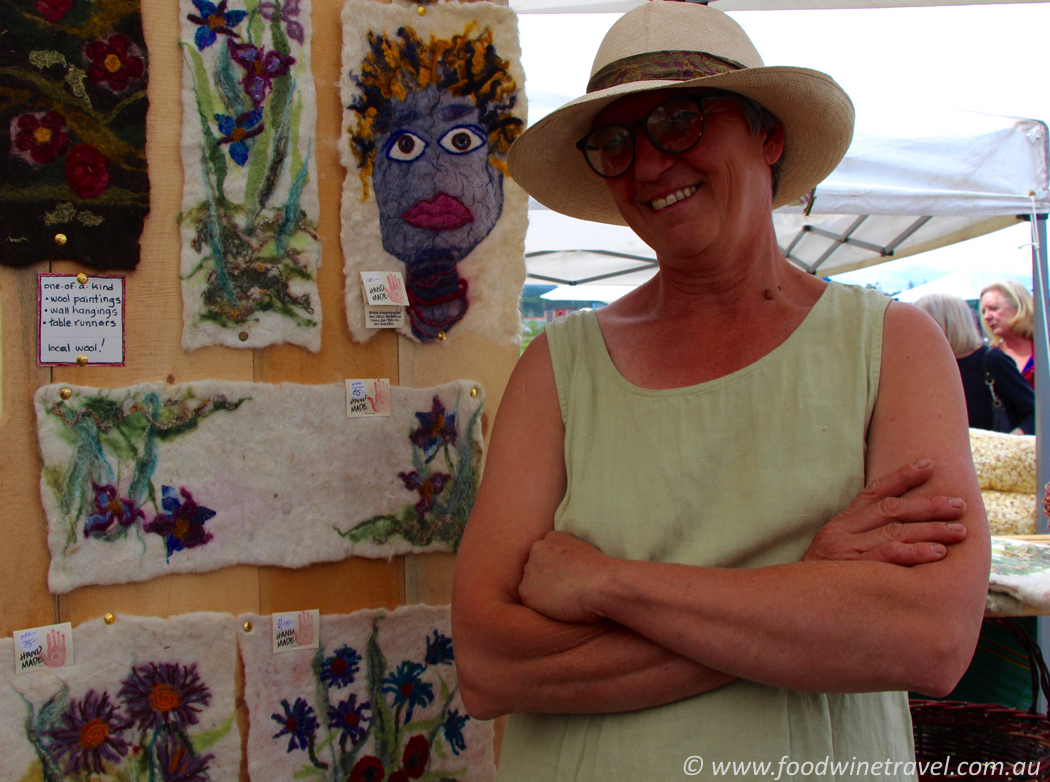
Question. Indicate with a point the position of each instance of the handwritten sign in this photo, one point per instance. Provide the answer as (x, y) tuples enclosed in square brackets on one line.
[(77, 319), (50, 646), (383, 289), (366, 398), (296, 630)]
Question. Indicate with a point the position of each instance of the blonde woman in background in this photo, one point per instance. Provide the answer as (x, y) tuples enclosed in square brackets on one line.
[(1008, 318), (978, 364)]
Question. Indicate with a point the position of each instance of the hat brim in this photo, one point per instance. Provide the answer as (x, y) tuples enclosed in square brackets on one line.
[(817, 116)]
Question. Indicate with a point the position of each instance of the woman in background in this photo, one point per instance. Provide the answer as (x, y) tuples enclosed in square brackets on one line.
[(1007, 317), (978, 364)]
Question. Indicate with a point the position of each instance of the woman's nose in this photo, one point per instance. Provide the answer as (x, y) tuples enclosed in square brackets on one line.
[(649, 162)]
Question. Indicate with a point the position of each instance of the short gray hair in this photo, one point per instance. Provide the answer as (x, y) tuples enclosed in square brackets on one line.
[(956, 320), (759, 119)]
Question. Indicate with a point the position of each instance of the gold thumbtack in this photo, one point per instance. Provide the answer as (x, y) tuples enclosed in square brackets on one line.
[(109, 619), (66, 393), (421, 11), (82, 361), (474, 391), (243, 336), (60, 239), (247, 627), (82, 278), (442, 336)]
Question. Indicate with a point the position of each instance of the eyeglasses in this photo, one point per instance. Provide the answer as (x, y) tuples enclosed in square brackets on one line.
[(676, 125)]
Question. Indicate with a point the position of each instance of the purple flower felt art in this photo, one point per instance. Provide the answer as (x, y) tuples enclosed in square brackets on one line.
[(165, 693), (236, 131), (428, 488), (214, 20), (289, 8), (350, 717), (182, 523), (110, 508), (298, 721), (435, 428), (178, 763), (260, 66), (90, 735)]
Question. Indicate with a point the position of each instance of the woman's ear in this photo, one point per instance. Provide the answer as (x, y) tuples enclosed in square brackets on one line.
[(773, 146)]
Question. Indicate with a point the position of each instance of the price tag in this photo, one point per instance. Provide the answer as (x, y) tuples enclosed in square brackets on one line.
[(80, 323), (296, 630), (50, 646), (384, 289), (384, 317), (366, 398)]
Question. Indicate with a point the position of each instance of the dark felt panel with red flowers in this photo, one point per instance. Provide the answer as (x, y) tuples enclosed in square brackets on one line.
[(73, 127)]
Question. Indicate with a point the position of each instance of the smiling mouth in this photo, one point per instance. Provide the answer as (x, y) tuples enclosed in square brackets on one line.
[(672, 198)]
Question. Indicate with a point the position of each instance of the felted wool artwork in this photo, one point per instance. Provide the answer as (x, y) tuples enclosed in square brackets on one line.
[(73, 175), (377, 700), (152, 479), (250, 250), (431, 106), (145, 699)]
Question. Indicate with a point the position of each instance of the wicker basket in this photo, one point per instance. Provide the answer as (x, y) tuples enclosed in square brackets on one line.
[(989, 741)]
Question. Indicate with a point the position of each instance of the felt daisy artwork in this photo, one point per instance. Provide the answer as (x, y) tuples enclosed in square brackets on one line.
[(73, 103), (250, 250), (378, 699), (432, 103), (146, 699), (152, 479)]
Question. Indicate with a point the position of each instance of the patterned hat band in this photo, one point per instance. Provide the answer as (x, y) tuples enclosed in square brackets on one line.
[(661, 66)]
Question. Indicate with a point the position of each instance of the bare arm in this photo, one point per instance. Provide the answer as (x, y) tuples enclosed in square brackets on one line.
[(816, 625), (510, 657)]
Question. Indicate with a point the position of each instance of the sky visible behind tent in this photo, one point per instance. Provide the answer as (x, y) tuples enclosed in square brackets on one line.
[(899, 65)]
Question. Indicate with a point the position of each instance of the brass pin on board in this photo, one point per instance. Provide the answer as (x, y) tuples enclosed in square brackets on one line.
[(60, 239), (421, 11), (109, 619), (82, 278), (474, 391), (243, 336), (442, 336), (66, 393), (82, 361), (247, 627)]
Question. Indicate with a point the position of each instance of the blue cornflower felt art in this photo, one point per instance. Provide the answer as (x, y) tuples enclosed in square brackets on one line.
[(298, 722), (439, 650), (407, 688), (236, 132), (453, 730), (435, 428), (182, 523), (214, 20), (350, 717), (339, 669)]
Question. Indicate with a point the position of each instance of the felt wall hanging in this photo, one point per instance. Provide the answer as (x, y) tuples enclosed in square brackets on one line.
[(146, 699), (153, 479), (377, 700), (431, 106), (250, 250), (73, 177)]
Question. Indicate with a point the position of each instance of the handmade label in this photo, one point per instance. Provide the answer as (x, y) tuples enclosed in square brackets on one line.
[(50, 646), (80, 320), (295, 630), (367, 397), (384, 289), (385, 317)]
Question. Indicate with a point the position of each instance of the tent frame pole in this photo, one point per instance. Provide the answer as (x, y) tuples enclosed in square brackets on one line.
[(1042, 367)]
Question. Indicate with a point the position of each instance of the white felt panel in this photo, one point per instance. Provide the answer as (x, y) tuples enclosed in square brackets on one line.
[(155, 478), (250, 191), (307, 708), (440, 209), (140, 690)]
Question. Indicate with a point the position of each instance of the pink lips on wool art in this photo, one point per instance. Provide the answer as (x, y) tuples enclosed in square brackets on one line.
[(441, 213)]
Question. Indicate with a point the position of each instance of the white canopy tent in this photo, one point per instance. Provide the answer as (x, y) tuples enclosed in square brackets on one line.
[(895, 194), (622, 6)]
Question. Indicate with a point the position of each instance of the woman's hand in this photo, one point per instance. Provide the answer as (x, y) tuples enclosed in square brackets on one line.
[(882, 525), (561, 571)]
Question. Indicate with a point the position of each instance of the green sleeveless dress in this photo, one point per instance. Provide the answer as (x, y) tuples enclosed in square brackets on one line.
[(737, 472)]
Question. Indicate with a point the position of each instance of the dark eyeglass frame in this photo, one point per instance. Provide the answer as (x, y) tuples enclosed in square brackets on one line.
[(643, 123)]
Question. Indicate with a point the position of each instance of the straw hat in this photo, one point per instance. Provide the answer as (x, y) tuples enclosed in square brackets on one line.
[(665, 44)]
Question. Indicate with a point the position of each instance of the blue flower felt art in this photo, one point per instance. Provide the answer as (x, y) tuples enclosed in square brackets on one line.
[(298, 722), (439, 650), (236, 132), (407, 688), (182, 523), (213, 21), (453, 730)]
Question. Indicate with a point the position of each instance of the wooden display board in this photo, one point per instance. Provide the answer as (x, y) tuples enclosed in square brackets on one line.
[(153, 344)]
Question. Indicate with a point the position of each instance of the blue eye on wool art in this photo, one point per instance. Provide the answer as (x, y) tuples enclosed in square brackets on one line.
[(433, 104)]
